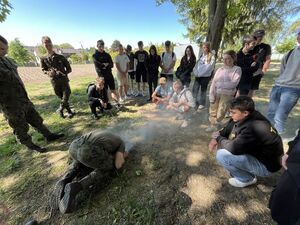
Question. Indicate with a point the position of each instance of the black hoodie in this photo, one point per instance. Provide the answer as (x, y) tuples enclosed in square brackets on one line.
[(254, 136)]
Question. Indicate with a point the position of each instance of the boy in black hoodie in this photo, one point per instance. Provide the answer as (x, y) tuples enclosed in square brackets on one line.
[(245, 60), (248, 146)]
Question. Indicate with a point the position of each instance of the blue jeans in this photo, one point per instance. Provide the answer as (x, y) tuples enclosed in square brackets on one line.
[(242, 167), (282, 101)]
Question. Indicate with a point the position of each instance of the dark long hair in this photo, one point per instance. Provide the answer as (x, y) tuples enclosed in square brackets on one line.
[(154, 48), (193, 57)]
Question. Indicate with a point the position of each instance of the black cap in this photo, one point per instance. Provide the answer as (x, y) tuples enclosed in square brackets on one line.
[(128, 48), (168, 43), (259, 33)]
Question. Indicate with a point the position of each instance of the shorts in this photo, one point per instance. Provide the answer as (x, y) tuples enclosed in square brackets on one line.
[(141, 73), (131, 75), (109, 82), (256, 81)]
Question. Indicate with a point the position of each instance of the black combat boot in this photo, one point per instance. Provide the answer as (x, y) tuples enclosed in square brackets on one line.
[(70, 112), (35, 147), (54, 136), (67, 203), (95, 117), (60, 112)]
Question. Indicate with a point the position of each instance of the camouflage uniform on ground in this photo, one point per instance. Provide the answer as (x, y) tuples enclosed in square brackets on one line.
[(95, 150), (16, 106), (60, 80)]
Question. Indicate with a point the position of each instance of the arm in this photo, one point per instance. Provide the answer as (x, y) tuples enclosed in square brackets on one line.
[(90, 94), (67, 65), (268, 59), (206, 68), (172, 64), (110, 62), (235, 79), (212, 90), (190, 100)]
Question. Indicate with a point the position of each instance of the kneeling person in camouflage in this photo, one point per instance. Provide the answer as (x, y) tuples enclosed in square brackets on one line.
[(102, 152), (57, 68)]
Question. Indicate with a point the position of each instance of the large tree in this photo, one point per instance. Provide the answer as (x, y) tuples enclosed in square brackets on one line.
[(225, 22), (5, 8), (18, 53)]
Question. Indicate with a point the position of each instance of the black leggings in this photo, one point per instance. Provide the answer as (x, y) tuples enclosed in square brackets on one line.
[(152, 81), (200, 82)]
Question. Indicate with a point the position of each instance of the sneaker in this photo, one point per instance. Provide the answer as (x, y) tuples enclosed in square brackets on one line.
[(200, 107), (121, 100), (37, 148), (54, 136), (236, 183), (126, 97), (66, 204), (184, 124), (70, 115), (60, 112)]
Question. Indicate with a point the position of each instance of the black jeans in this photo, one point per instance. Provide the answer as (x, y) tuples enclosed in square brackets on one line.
[(200, 83), (152, 80), (95, 104)]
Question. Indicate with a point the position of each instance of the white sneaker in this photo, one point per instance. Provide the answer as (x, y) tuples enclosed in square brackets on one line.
[(184, 124), (236, 183), (200, 107), (121, 100)]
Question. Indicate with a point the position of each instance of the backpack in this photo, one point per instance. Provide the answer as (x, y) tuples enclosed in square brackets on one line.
[(288, 55), (163, 54), (88, 87)]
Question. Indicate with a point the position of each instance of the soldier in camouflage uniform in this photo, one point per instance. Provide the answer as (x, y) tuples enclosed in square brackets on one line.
[(102, 153), (57, 68), (15, 104)]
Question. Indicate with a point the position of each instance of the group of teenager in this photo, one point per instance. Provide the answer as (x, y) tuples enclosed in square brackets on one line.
[(248, 144)]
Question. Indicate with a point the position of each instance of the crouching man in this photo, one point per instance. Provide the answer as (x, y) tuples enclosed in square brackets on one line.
[(97, 97), (248, 146), (100, 153), (182, 101)]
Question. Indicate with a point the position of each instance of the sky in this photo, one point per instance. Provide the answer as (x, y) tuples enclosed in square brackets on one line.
[(84, 22)]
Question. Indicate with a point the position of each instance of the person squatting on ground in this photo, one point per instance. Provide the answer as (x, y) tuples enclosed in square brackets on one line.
[(222, 90), (285, 198), (103, 65), (57, 68), (286, 91), (248, 146), (122, 65), (100, 154), (153, 65), (248, 65), (187, 63), (203, 71), (168, 60), (131, 70), (182, 102), (17, 109), (162, 94), (262, 55), (141, 68), (98, 98)]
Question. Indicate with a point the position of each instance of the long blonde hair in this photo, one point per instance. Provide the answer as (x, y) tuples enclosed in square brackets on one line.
[(210, 54)]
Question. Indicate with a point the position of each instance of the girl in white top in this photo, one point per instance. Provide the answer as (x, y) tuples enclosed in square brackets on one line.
[(203, 71)]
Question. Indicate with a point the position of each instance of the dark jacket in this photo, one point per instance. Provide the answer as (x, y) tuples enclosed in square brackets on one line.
[(57, 62), (153, 63), (185, 69), (100, 58), (94, 94), (254, 136), (285, 199), (245, 61)]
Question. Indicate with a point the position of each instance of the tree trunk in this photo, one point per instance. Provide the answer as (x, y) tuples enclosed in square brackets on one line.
[(216, 22)]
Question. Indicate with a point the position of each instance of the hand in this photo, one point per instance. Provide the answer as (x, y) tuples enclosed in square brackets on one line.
[(283, 161), (215, 135), (253, 64), (52, 73), (264, 70), (119, 160), (104, 105), (212, 144)]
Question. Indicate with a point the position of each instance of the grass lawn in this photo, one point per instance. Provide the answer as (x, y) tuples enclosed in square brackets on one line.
[(170, 177)]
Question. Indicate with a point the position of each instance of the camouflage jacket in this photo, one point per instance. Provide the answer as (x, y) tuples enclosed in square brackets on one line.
[(58, 63), (12, 89)]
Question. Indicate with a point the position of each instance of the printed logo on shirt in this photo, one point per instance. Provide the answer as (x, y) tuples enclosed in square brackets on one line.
[(141, 57)]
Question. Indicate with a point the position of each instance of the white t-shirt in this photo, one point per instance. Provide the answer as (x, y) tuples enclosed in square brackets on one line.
[(122, 60), (167, 60)]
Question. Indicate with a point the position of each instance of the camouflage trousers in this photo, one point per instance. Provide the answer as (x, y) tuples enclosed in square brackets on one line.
[(19, 119), (62, 90)]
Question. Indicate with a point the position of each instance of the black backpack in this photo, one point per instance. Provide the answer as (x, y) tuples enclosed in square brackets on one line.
[(288, 55), (88, 87)]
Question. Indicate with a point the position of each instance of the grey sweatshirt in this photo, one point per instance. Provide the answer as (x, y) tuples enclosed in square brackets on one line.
[(290, 71)]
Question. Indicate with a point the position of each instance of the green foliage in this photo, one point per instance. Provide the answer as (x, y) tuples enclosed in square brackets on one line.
[(18, 53), (41, 50), (65, 45), (115, 45), (5, 8), (286, 45), (75, 59)]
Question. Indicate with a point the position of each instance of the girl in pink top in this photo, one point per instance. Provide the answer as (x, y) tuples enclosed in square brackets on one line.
[(223, 88)]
